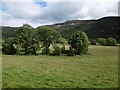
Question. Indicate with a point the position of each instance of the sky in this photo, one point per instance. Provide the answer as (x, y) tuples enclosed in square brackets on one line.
[(42, 12)]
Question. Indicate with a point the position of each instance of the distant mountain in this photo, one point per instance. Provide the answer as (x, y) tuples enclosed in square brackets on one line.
[(104, 27), (8, 31), (101, 28)]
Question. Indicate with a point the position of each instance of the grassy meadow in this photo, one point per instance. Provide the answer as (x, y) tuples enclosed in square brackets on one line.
[(99, 69)]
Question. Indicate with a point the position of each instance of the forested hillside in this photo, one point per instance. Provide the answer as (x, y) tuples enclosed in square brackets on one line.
[(8, 31), (102, 28)]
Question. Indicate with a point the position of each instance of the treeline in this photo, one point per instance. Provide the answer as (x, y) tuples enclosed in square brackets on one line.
[(44, 40), (104, 41)]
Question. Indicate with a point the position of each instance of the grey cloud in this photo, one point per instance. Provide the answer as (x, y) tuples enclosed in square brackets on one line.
[(18, 13)]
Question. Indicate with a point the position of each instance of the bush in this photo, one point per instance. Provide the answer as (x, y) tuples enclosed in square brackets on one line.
[(9, 46), (57, 50), (101, 41), (107, 41), (111, 42)]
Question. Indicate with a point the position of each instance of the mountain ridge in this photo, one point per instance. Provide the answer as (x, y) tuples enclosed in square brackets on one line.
[(101, 28), (104, 27)]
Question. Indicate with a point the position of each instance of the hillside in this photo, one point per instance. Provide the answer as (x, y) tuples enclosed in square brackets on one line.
[(104, 27), (8, 31)]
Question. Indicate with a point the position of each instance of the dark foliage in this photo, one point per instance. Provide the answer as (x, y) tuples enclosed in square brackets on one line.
[(27, 40), (8, 32), (79, 42), (9, 46), (71, 52), (93, 42)]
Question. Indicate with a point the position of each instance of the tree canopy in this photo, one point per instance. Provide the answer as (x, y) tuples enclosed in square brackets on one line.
[(27, 40), (79, 42), (47, 36)]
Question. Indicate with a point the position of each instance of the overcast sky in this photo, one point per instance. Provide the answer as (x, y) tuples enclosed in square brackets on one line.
[(43, 12)]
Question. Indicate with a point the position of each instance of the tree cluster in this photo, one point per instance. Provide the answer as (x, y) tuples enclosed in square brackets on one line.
[(104, 41), (44, 40)]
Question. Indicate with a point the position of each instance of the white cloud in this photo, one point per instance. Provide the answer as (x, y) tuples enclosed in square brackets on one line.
[(22, 10), (17, 13), (17, 0)]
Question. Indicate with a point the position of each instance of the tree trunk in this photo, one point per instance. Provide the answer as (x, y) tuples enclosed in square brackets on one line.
[(34, 51), (47, 48)]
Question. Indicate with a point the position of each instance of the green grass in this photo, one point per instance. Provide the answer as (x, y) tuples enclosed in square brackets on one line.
[(97, 70)]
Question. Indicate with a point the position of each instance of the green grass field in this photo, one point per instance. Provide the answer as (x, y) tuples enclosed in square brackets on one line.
[(97, 70)]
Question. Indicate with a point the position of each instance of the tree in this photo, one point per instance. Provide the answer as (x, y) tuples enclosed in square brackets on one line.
[(9, 46), (79, 42), (47, 36), (27, 39)]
